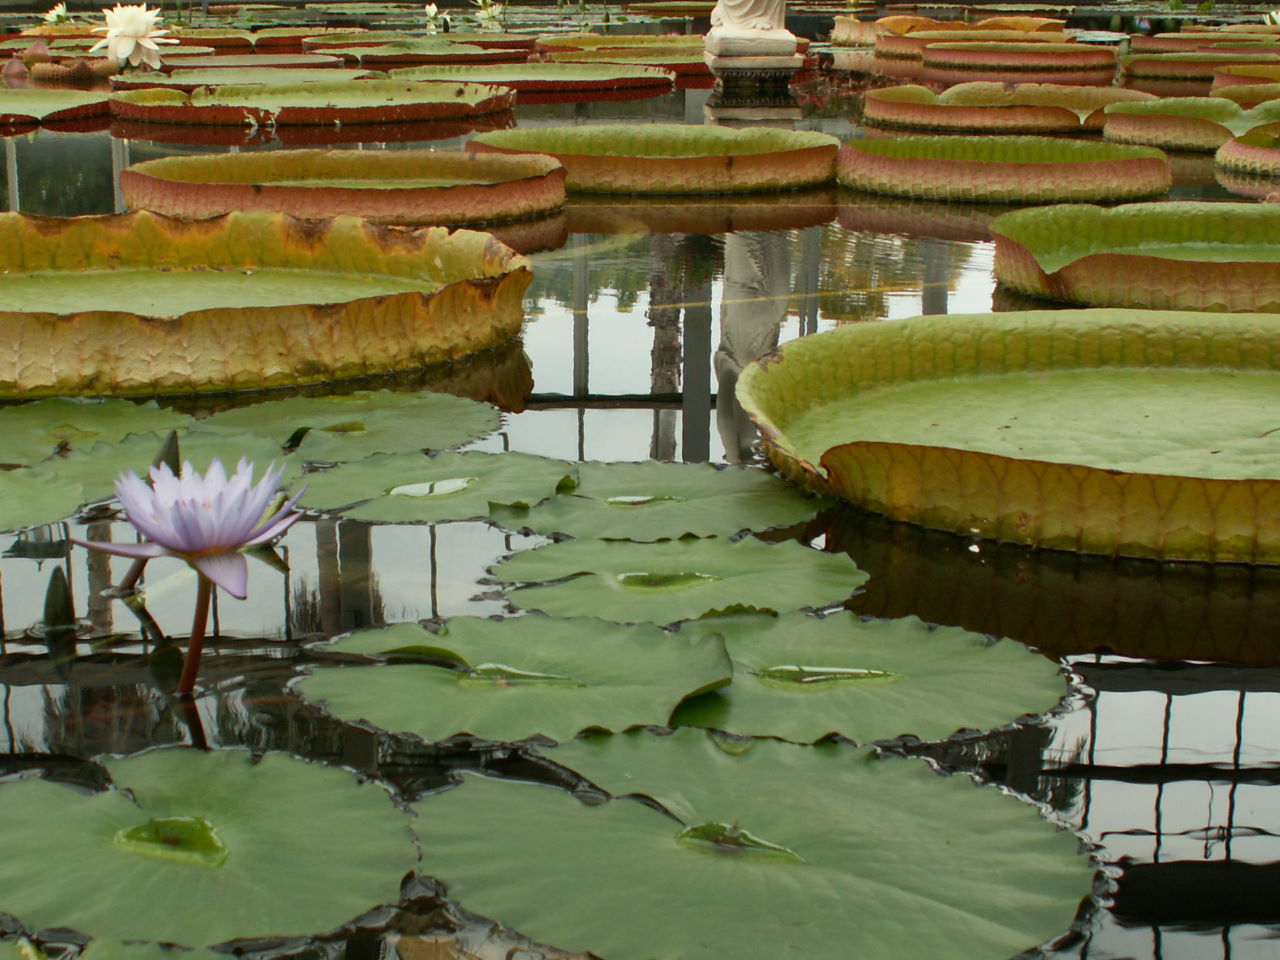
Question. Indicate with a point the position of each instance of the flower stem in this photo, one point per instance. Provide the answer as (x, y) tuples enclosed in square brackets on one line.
[(134, 574), (196, 646)]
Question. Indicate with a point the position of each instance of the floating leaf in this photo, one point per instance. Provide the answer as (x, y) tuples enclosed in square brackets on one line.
[(326, 847), (408, 487), (34, 431), (352, 426), (661, 501), (676, 580), (802, 678), (29, 498), (115, 950), (823, 852), (520, 677)]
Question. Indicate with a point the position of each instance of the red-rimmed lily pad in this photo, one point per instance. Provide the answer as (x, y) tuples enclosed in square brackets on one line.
[(1165, 256), (674, 158), (910, 46), (27, 107), (410, 488), (1193, 40), (1256, 153), (1239, 74), (1070, 63), (319, 41), (547, 77), (1003, 169), (425, 50), (803, 678), (675, 579), (1186, 123), (145, 304), (189, 80), (1182, 66), (207, 828), (521, 677), (395, 186), (850, 31), (1145, 435), (233, 61), (677, 61), (841, 843), (369, 101), (995, 107), (663, 501)]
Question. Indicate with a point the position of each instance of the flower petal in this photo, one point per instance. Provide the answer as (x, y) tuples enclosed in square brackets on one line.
[(230, 571), (147, 550)]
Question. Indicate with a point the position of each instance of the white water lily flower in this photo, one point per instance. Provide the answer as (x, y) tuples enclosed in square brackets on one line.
[(131, 35), (1272, 17), (57, 14), (204, 520), (434, 17)]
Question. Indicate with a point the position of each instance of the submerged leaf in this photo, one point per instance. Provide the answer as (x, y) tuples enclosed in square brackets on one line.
[(821, 852), (203, 835), (676, 579), (517, 678)]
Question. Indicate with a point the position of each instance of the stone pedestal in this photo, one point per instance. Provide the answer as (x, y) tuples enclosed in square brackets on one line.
[(752, 66)]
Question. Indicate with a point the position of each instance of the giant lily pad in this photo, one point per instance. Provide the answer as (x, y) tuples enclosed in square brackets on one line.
[(675, 580), (996, 107), (544, 77), (911, 45), (674, 158), (1002, 169), (662, 501), (1189, 256), (678, 61), (1146, 436), (517, 678), (28, 498), (1031, 62), (1189, 65), (234, 61), (145, 304), (201, 833), (803, 678), (410, 488), (1185, 123), (425, 50), (369, 101), (822, 852), (352, 426), (398, 186), (1189, 41), (1248, 95), (189, 79), (1256, 153), (25, 106)]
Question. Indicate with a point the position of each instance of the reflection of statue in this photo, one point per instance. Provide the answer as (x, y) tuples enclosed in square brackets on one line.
[(757, 289), (749, 14)]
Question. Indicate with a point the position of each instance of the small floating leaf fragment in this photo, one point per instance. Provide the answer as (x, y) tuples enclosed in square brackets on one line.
[(790, 676), (639, 500), (729, 839), (180, 839), (501, 675), (433, 488)]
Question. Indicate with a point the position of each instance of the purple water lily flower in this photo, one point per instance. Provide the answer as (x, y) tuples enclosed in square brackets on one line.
[(204, 520)]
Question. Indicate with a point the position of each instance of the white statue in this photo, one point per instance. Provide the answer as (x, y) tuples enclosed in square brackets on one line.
[(750, 14), (750, 28)]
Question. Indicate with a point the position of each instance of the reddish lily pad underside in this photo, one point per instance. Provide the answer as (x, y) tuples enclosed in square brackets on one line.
[(1002, 169), (545, 77), (24, 107), (395, 186), (675, 158), (189, 80), (996, 107), (1164, 256), (1256, 153), (140, 304), (910, 46), (1185, 123), (1124, 432), (369, 101), (1189, 65), (1082, 64)]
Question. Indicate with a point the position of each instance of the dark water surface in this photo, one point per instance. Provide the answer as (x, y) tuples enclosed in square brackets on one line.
[(1168, 760)]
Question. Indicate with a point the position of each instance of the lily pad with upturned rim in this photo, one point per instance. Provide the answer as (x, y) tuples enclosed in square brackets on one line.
[(541, 77), (861, 856), (675, 579), (193, 77), (663, 501), (1003, 169), (36, 430), (1185, 123), (328, 848), (517, 678), (998, 107), (409, 488), (27, 106), (674, 158), (1121, 450), (802, 678)]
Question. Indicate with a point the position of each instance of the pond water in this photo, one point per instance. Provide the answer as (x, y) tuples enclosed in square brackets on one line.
[(1167, 758)]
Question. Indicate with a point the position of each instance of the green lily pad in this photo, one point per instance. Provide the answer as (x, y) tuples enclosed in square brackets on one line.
[(661, 501), (33, 431), (803, 678), (96, 468), (823, 852), (115, 950), (410, 488), (676, 579), (352, 426), (516, 678), (28, 498), (325, 847)]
